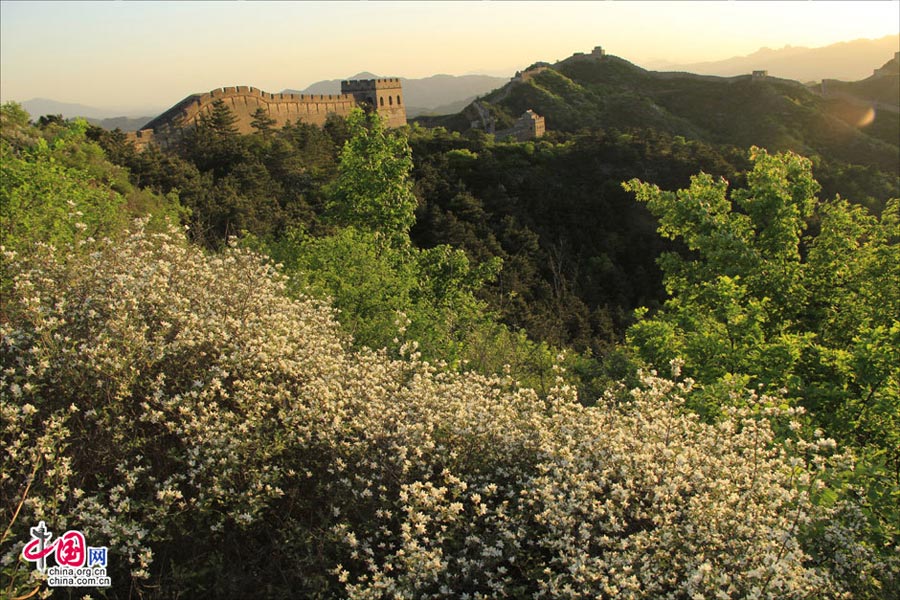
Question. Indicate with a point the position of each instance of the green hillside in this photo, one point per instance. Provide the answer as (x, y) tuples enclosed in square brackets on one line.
[(611, 93)]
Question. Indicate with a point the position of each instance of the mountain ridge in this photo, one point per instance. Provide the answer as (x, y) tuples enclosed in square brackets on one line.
[(48, 106), (610, 93), (443, 94), (850, 60)]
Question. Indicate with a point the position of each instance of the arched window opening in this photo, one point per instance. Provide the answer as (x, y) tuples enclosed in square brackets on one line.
[(390, 100), (381, 101), (398, 101)]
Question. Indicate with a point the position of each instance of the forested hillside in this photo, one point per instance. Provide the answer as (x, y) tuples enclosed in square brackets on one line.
[(610, 93), (638, 360)]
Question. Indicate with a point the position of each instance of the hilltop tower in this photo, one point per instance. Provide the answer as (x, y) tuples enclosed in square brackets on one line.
[(385, 96)]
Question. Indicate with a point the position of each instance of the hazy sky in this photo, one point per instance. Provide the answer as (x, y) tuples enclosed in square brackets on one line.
[(153, 54)]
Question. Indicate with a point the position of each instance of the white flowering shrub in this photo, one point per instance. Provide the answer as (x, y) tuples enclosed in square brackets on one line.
[(223, 441)]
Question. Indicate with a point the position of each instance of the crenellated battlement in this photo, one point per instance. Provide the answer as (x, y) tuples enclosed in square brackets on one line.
[(356, 85), (384, 96), (243, 90)]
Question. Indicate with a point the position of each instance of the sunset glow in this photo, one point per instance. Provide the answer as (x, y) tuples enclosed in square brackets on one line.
[(151, 54)]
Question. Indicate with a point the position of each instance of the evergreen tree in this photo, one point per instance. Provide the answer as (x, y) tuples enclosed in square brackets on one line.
[(221, 120), (262, 122)]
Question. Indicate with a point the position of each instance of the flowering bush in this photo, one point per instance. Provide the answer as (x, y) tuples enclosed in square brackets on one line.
[(223, 440)]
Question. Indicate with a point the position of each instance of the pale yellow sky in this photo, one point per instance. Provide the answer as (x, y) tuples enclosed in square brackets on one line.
[(152, 54)]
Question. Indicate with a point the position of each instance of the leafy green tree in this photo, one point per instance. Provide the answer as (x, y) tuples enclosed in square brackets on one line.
[(734, 301), (757, 300), (373, 189), (57, 186), (369, 268), (430, 293), (44, 201), (366, 283), (754, 297), (45, 121), (14, 126), (852, 270)]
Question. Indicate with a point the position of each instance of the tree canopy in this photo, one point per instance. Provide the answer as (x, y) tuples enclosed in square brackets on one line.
[(373, 189), (762, 299)]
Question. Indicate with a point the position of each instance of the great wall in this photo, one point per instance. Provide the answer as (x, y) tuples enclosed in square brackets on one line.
[(384, 96)]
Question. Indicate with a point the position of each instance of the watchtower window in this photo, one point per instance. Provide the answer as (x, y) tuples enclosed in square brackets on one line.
[(381, 101), (390, 100), (398, 101)]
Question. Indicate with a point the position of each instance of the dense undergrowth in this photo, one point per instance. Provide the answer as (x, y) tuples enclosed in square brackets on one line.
[(207, 414)]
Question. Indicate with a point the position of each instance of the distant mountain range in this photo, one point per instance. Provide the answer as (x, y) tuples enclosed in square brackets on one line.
[(435, 95), (449, 94), (108, 118), (847, 61)]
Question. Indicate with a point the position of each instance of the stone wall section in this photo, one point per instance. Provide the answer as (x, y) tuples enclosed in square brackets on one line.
[(384, 95), (527, 127)]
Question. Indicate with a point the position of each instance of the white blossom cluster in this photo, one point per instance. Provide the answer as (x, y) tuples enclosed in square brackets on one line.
[(180, 409)]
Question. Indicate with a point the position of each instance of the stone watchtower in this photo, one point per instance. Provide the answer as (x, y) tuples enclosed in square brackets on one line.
[(385, 96)]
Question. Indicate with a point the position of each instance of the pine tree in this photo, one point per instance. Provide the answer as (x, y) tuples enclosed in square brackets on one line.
[(262, 122), (221, 120)]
